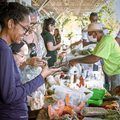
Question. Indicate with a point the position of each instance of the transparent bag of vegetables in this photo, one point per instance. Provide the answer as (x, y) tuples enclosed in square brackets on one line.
[(56, 110), (61, 108), (76, 96), (36, 101)]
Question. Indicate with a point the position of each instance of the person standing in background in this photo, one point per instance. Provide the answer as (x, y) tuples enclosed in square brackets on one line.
[(57, 36), (86, 39), (34, 39), (89, 39), (50, 44)]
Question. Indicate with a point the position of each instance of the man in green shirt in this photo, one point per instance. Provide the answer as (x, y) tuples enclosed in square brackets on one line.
[(107, 49)]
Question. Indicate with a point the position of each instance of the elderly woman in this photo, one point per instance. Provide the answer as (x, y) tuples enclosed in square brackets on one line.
[(20, 52), (14, 22)]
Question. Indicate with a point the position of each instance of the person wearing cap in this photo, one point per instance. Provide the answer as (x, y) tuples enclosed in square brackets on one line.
[(106, 49), (86, 39), (118, 38)]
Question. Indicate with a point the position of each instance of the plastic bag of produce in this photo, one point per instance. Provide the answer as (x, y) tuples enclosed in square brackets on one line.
[(37, 100), (56, 110), (76, 96)]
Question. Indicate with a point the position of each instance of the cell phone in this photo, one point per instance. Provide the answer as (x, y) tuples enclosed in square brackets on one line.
[(60, 65), (46, 58)]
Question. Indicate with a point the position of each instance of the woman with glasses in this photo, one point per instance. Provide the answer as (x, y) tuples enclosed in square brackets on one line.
[(13, 93), (20, 52), (50, 44)]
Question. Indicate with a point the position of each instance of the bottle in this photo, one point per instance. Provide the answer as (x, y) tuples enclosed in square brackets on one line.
[(75, 77), (81, 83), (67, 99)]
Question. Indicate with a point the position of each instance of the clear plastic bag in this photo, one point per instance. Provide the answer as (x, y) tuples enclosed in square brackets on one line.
[(56, 110), (76, 96), (37, 100)]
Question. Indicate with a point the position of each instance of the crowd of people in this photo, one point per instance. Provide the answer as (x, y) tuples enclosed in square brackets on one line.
[(15, 25), (28, 56)]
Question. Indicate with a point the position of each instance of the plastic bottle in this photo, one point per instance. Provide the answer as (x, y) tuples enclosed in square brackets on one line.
[(75, 77), (81, 83)]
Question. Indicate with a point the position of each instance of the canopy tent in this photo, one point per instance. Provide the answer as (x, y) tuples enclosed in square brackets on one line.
[(77, 7)]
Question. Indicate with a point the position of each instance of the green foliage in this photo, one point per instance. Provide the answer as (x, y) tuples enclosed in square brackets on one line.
[(70, 35), (62, 21), (107, 16), (65, 22)]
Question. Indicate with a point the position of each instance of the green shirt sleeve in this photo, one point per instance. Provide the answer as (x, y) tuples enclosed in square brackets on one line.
[(48, 37), (103, 48)]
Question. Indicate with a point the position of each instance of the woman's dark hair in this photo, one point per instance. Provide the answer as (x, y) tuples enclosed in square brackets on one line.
[(15, 47), (58, 32), (12, 10), (47, 22)]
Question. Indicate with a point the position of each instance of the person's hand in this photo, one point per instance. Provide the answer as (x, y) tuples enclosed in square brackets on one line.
[(73, 62), (62, 54), (116, 91), (36, 62), (49, 71), (59, 46), (76, 43)]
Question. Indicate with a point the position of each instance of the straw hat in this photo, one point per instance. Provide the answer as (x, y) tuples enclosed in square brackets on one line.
[(94, 27)]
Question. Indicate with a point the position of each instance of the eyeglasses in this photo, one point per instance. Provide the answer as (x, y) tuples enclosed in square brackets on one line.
[(27, 30), (20, 55)]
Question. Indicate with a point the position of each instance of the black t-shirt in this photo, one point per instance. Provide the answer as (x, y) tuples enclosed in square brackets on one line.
[(48, 37)]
